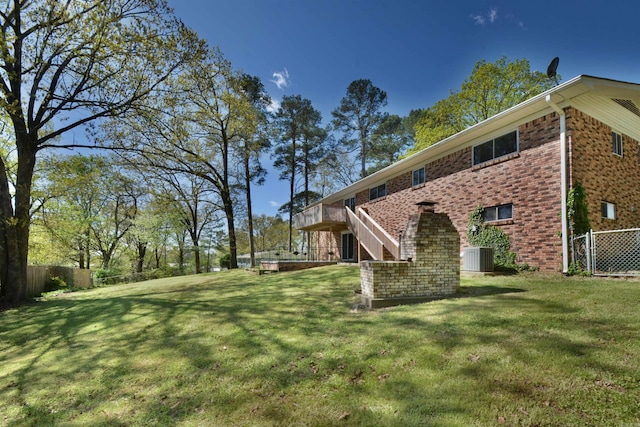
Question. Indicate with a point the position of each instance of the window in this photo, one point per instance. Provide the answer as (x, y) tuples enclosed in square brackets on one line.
[(498, 213), (616, 140), (377, 192), (418, 177), (608, 210), (350, 203), (498, 147)]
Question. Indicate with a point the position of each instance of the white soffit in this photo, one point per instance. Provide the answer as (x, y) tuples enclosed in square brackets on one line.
[(611, 113)]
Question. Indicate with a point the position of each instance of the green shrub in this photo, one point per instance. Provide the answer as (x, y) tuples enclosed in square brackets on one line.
[(578, 210), (490, 236), (225, 261), (55, 283), (576, 269)]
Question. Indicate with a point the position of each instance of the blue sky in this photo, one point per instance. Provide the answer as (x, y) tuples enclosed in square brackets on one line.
[(417, 51)]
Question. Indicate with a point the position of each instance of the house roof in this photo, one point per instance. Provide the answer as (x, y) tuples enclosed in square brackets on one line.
[(613, 102)]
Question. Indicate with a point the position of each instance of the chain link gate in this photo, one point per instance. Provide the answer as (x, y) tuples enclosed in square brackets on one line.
[(608, 253)]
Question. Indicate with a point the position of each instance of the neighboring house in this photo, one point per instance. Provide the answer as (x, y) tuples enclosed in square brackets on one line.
[(519, 165)]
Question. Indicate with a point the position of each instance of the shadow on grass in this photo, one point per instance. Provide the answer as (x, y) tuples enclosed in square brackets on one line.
[(480, 291), (248, 350)]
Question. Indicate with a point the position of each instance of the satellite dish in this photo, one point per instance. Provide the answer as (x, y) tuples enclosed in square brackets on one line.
[(552, 68)]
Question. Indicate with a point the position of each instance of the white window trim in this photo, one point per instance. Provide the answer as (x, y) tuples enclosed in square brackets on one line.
[(424, 176), (611, 210), (496, 209), (621, 153)]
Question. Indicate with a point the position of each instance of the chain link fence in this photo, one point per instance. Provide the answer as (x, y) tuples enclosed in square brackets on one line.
[(608, 253)]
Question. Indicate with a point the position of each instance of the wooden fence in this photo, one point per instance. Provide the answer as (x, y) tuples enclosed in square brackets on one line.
[(39, 277)]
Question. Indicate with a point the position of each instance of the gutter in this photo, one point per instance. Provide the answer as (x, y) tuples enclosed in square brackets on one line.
[(563, 182)]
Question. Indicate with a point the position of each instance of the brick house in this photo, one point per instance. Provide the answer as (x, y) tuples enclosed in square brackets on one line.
[(519, 165)]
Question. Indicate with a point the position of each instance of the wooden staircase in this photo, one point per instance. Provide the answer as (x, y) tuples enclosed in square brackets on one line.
[(371, 235)]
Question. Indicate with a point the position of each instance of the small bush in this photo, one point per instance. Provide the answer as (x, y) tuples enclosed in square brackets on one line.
[(225, 261), (576, 269), (490, 236), (55, 283)]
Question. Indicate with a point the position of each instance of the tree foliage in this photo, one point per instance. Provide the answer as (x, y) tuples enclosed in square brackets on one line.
[(491, 88), (199, 127), (74, 185), (358, 116), (255, 142), (389, 141), (71, 63), (299, 147)]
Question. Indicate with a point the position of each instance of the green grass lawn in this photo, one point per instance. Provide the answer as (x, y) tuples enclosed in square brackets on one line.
[(238, 349)]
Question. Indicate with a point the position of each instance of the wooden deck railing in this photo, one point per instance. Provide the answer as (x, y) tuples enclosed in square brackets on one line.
[(381, 234), (369, 233), (365, 236), (318, 216)]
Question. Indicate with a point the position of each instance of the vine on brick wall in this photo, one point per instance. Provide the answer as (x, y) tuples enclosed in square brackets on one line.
[(485, 235), (577, 210)]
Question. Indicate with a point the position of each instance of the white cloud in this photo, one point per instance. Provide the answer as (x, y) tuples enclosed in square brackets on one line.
[(274, 204), (491, 16), (281, 78), (478, 19)]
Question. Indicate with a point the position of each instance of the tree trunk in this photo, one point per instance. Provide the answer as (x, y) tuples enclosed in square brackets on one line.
[(292, 190), (87, 248), (142, 252), (247, 178), (106, 260), (231, 230), (196, 255), (15, 224), (363, 154), (157, 255), (181, 241)]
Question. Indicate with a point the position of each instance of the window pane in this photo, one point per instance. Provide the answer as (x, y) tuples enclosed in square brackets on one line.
[(418, 176), (377, 192), (608, 210), (350, 203), (505, 212), (490, 214), (483, 152), (506, 144), (616, 139)]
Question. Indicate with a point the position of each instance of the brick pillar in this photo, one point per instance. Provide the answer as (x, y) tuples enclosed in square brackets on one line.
[(432, 243)]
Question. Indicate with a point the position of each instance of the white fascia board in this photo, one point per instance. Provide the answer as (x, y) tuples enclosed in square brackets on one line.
[(537, 106)]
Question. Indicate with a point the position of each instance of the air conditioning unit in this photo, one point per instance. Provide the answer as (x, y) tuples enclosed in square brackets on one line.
[(477, 259)]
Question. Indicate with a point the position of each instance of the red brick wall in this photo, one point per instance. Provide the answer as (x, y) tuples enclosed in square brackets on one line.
[(530, 180), (604, 175)]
